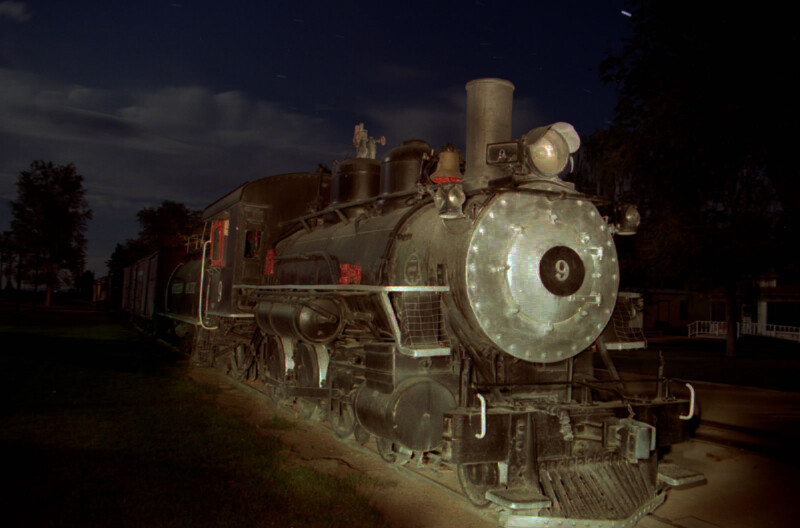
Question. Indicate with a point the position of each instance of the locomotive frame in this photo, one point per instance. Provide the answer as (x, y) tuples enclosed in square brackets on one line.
[(452, 317)]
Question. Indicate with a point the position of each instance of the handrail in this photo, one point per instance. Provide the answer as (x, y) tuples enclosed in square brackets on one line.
[(200, 295), (691, 404), (482, 434)]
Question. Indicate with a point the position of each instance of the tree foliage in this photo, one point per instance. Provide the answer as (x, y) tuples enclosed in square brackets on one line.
[(165, 226), (700, 139), (50, 217)]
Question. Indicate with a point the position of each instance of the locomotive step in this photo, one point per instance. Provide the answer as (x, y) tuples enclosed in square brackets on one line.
[(678, 476), (518, 499)]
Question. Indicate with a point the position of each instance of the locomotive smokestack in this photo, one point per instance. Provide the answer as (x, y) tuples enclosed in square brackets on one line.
[(488, 121)]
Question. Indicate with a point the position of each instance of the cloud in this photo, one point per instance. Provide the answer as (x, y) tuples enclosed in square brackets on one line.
[(437, 119), (16, 11), (136, 148), (190, 144), (441, 118)]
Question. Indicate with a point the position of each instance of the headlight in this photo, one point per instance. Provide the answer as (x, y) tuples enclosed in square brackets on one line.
[(628, 219), (544, 151), (548, 149)]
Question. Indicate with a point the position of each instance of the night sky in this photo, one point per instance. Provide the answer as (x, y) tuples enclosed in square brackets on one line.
[(186, 100)]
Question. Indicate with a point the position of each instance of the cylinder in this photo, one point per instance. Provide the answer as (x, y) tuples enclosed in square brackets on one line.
[(489, 103), (317, 322), (411, 415)]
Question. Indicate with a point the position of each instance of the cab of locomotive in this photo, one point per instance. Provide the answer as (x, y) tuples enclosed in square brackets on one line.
[(242, 228), (235, 231)]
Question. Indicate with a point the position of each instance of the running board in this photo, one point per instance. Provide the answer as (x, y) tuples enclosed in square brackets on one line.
[(678, 476), (526, 519), (518, 499)]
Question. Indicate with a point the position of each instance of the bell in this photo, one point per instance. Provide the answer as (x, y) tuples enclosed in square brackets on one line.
[(447, 170)]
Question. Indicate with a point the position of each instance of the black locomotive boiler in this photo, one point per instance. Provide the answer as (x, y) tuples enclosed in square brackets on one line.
[(447, 307)]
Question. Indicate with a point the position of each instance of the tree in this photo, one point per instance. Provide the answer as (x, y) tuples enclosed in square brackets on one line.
[(700, 139), (168, 225), (50, 217)]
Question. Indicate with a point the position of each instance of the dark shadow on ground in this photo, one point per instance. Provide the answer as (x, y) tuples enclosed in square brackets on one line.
[(101, 427), (760, 362)]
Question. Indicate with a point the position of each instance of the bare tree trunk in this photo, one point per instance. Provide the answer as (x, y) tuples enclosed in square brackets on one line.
[(19, 288), (35, 281), (731, 319)]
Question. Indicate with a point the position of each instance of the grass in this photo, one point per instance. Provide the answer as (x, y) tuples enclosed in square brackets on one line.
[(279, 423), (101, 427)]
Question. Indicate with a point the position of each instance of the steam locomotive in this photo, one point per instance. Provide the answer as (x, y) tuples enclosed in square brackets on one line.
[(448, 307)]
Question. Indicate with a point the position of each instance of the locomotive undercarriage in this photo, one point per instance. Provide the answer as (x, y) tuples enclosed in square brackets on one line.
[(566, 460), (547, 449)]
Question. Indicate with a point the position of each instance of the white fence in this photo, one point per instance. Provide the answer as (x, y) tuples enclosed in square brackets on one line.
[(790, 333), (708, 329), (719, 329)]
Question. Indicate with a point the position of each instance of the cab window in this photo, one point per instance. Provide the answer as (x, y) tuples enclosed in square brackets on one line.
[(252, 243), (219, 236)]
